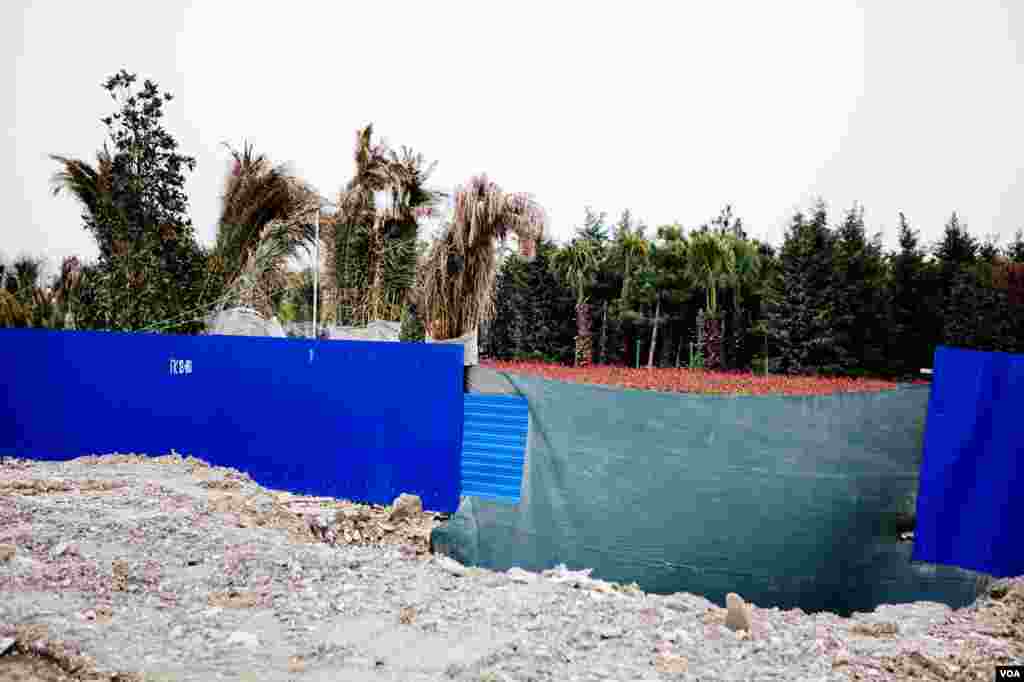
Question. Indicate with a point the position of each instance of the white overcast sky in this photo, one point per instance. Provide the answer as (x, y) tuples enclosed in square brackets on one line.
[(670, 109)]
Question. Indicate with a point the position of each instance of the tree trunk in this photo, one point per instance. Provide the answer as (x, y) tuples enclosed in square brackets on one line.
[(712, 343), (654, 334), (625, 281), (739, 332), (679, 349), (604, 335), (584, 343), (376, 293)]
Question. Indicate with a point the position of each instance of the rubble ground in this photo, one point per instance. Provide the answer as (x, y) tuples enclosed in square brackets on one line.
[(133, 568)]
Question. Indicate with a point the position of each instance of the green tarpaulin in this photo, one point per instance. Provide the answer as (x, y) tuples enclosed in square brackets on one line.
[(786, 500)]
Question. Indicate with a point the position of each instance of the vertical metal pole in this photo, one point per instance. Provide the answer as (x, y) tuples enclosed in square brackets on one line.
[(316, 270)]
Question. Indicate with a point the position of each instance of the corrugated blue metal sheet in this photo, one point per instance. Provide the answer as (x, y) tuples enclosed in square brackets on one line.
[(494, 446)]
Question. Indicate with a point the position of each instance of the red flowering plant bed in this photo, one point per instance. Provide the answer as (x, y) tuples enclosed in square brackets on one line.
[(693, 380)]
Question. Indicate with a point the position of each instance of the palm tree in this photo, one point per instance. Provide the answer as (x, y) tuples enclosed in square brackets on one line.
[(93, 187), (456, 280), (65, 291), (576, 263), (669, 276), (265, 220), (634, 247), (710, 260), (373, 253), (12, 313), (746, 273)]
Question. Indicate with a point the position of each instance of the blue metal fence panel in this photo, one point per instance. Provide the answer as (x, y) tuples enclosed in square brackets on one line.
[(350, 419), (970, 506), (494, 446)]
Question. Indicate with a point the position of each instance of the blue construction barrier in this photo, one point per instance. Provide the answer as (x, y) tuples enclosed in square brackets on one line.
[(349, 419), (970, 506)]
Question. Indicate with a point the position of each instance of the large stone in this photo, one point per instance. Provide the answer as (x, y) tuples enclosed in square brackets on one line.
[(738, 615), (671, 664), (405, 506), (518, 575)]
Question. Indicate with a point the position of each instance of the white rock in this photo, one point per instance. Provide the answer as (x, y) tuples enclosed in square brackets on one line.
[(244, 638), (451, 566), (64, 549), (6, 645), (518, 575)]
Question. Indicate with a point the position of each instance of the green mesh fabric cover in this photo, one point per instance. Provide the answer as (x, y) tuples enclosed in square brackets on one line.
[(787, 500)]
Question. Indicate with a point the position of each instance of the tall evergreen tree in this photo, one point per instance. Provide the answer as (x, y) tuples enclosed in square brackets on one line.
[(534, 311), (858, 299), (799, 316), (908, 339)]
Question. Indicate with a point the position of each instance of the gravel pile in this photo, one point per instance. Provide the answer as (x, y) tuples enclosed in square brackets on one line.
[(132, 568)]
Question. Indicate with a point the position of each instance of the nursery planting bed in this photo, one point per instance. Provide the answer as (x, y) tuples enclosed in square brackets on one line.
[(683, 380)]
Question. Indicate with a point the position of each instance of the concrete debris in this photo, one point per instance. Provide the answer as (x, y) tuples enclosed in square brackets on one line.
[(404, 507)]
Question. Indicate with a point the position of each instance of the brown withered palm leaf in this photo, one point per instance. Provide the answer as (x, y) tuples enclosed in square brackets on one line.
[(373, 254), (266, 216), (456, 283)]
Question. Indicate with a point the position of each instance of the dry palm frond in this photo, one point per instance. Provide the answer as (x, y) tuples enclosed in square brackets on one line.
[(85, 183), (373, 256), (265, 220), (457, 278), (12, 313)]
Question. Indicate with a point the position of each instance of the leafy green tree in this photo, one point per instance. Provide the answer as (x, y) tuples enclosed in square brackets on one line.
[(726, 223), (150, 268)]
